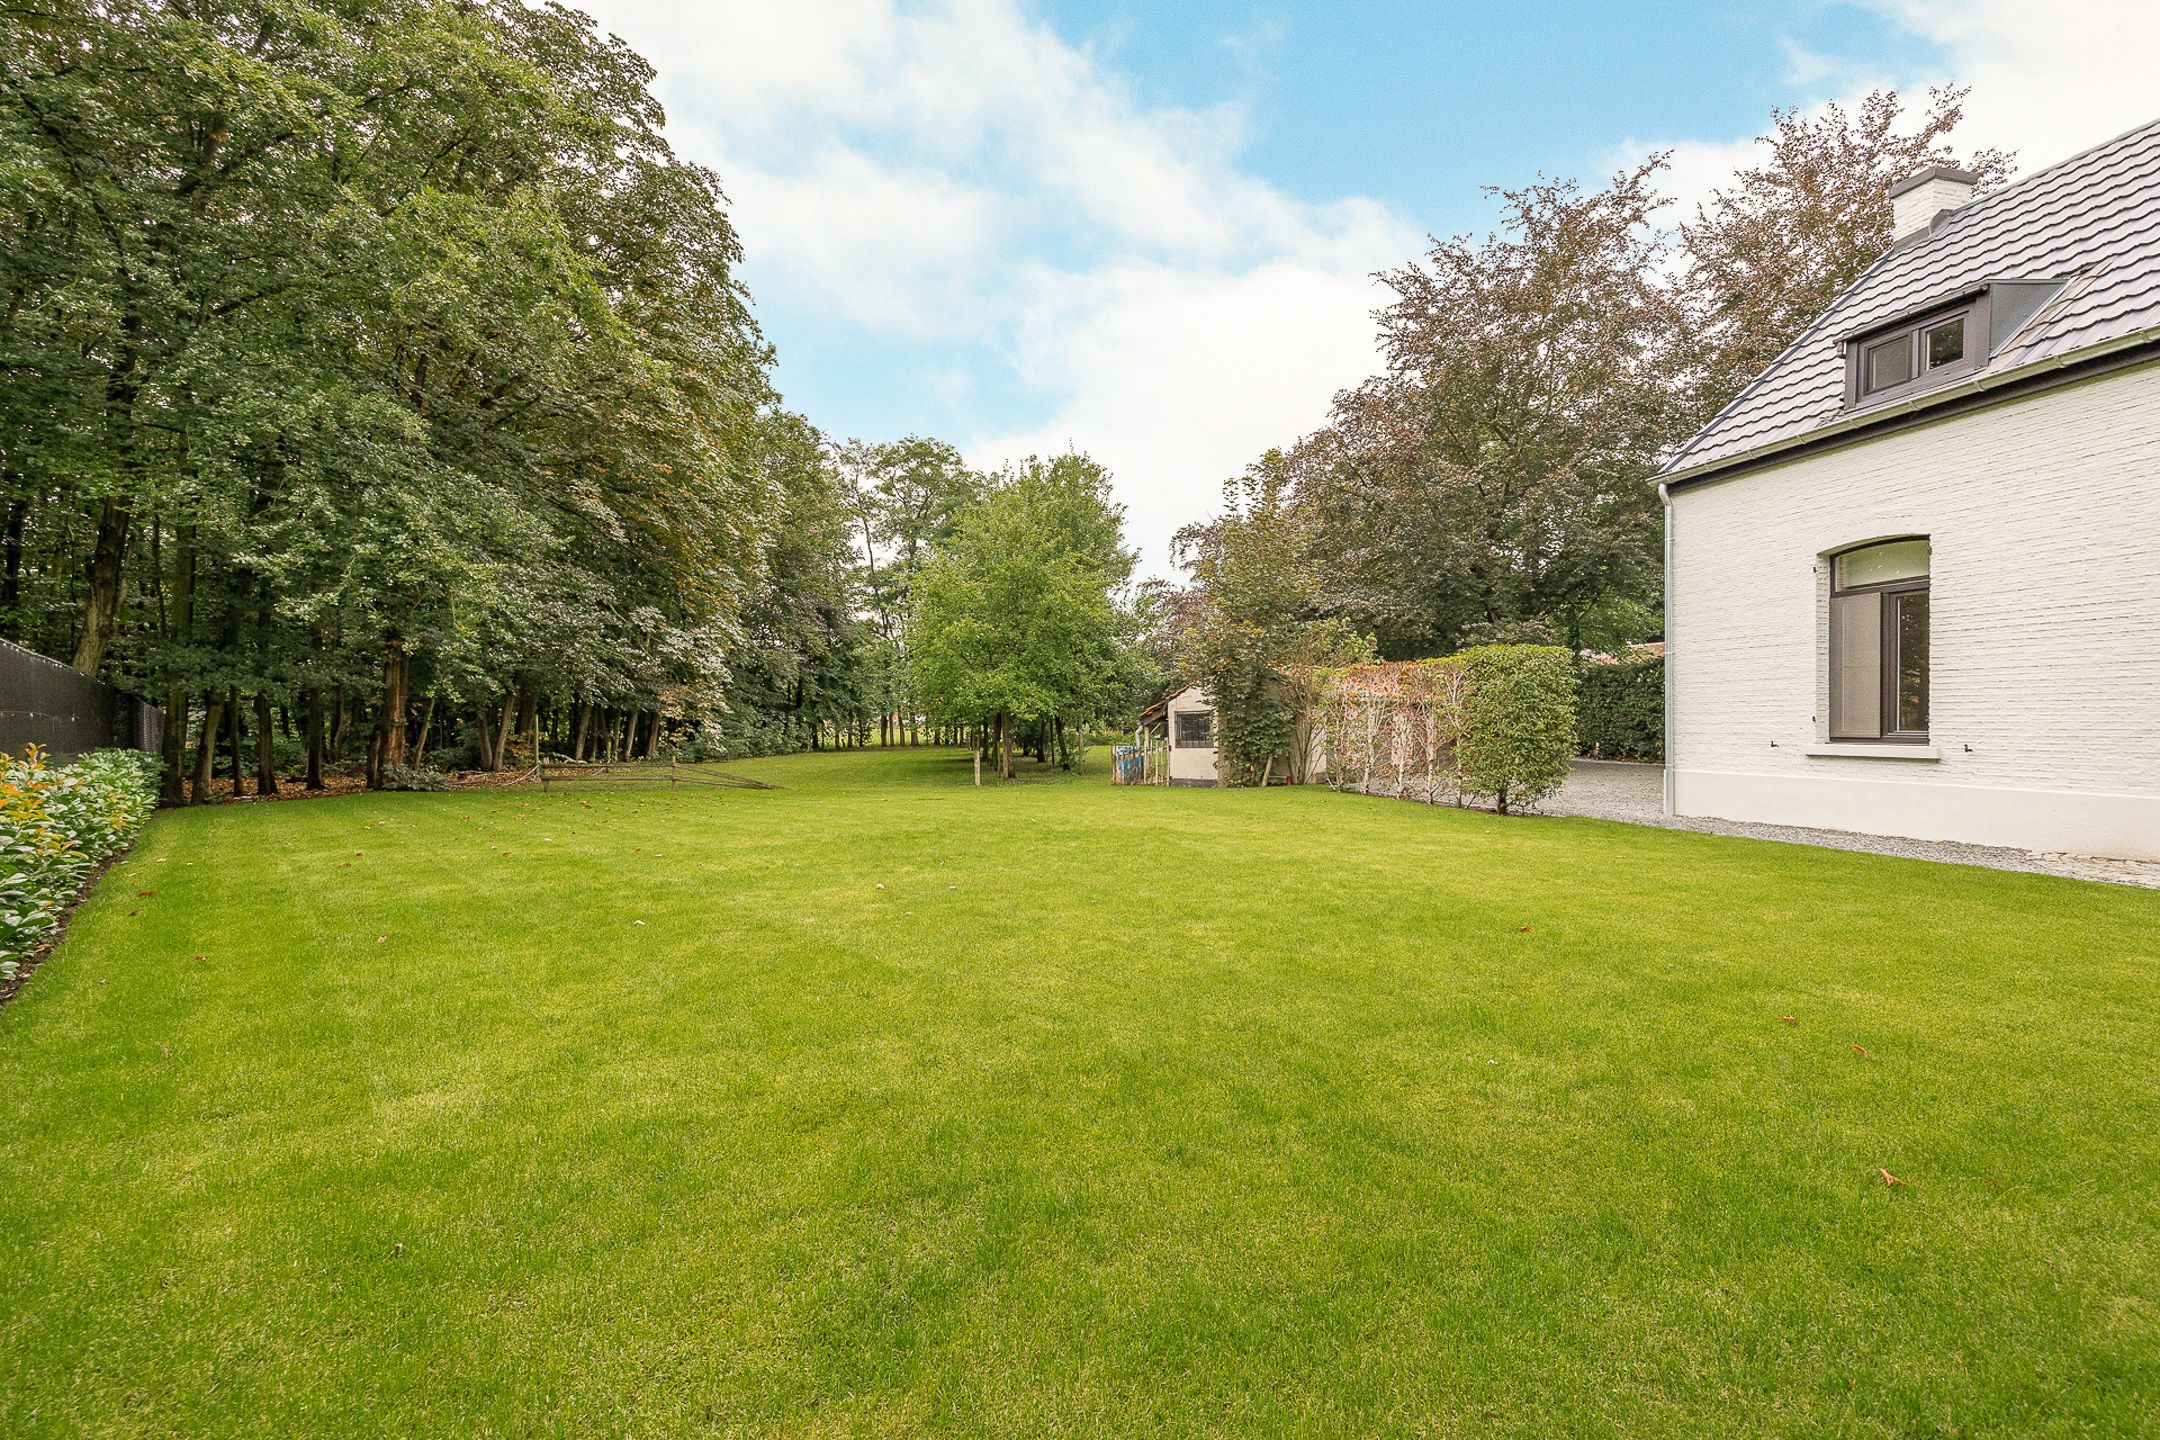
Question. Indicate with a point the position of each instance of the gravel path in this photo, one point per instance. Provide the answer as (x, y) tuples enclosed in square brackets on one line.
[(1615, 790)]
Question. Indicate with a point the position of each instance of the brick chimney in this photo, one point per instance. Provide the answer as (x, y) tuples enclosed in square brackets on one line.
[(1917, 200)]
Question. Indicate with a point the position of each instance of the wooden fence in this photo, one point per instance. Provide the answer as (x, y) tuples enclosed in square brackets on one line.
[(1141, 764)]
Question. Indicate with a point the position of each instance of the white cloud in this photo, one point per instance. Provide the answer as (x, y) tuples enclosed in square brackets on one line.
[(887, 248), (1178, 378), (2047, 81), (957, 173), (2043, 85)]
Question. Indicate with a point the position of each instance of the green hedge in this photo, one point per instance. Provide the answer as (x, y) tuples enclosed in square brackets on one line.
[(1620, 710), (56, 827)]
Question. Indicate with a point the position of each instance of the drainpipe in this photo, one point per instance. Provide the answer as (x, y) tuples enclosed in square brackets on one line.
[(1665, 499)]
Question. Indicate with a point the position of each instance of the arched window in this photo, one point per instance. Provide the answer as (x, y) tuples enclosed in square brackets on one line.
[(1879, 641)]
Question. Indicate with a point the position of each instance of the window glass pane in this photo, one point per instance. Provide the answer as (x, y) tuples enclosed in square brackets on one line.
[(1880, 564), (1856, 632), (1889, 363), (1195, 729), (1911, 621), (1945, 344)]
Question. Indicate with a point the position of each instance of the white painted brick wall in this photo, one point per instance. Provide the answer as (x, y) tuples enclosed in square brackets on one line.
[(2045, 520)]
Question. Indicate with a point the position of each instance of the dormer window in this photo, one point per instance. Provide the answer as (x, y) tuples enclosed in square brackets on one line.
[(1951, 337), (1916, 355)]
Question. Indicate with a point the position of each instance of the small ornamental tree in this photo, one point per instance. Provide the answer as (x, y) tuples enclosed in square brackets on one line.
[(1518, 722)]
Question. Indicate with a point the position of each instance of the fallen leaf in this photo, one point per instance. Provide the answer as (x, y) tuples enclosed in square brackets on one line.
[(1860, 1050), (1791, 1020), (881, 887), (1524, 930), (144, 894), (1887, 1177), (380, 938)]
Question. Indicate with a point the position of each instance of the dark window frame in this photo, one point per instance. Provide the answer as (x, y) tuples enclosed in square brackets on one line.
[(1888, 640), (1178, 739), (1912, 330)]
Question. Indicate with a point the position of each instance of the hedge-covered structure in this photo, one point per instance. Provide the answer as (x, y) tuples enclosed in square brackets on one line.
[(1495, 724), (1620, 710)]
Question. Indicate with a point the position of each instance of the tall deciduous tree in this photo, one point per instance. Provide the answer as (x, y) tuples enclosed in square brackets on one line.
[(376, 361), (1767, 253), (1495, 472), (1024, 615)]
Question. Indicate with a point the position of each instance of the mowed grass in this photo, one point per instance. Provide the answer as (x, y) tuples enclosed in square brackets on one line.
[(880, 1105)]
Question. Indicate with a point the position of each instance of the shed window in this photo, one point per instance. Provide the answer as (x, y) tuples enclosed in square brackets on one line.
[(1879, 642), (1195, 729)]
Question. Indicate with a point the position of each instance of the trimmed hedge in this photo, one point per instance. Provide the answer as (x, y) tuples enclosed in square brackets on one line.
[(1495, 723), (56, 827), (1620, 710)]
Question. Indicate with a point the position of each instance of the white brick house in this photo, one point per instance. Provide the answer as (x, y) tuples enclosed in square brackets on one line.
[(1913, 570)]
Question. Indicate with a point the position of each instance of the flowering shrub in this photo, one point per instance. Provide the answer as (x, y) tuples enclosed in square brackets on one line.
[(57, 825)]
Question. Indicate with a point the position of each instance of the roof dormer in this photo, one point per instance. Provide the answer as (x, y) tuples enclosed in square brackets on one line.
[(1939, 342)]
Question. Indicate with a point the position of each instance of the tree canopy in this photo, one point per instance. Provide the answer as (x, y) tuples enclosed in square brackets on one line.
[(370, 354), (1025, 615)]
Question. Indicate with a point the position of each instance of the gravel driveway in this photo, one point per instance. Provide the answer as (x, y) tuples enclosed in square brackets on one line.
[(1616, 790)]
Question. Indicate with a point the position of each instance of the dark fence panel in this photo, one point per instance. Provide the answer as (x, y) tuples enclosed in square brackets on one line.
[(43, 702)]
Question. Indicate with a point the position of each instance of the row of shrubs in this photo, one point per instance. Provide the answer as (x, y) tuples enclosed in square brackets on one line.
[(1494, 724), (57, 825), (1620, 710)]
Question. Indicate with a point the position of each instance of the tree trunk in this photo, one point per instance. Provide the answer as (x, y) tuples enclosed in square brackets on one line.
[(502, 739), (484, 733), (180, 622), (232, 755), (101, 602), (427, 723), (172, 785), (206, 748), (265, 748), (389, 748), (11, 571), (316, 727), (578, 726), (652, 738)]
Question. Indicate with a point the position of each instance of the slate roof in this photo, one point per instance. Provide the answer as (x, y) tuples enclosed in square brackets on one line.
[(2094, 217)]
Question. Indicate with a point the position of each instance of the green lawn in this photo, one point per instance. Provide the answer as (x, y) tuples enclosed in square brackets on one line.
[(880, 1105)]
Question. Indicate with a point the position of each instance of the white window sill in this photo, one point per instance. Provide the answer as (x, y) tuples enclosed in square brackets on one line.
[(1850, 751)]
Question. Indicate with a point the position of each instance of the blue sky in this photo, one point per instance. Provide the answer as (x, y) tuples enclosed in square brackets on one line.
[(1148, 230)]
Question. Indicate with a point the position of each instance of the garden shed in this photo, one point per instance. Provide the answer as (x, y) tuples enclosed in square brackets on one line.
[(1183, 725)]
